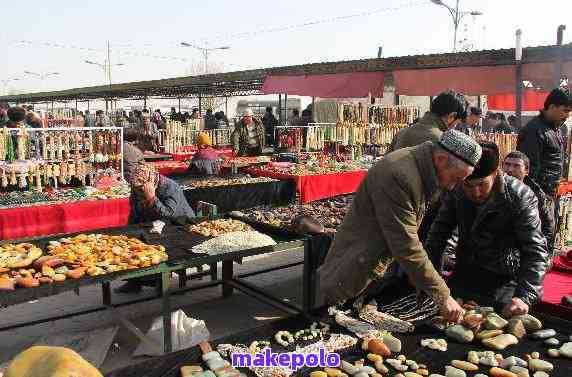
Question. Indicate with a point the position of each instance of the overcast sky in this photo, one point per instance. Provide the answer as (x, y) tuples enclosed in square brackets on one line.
[(58, 36)]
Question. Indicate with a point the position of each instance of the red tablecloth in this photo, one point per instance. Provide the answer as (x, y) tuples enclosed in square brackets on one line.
[(316, 187), (168, 168), (49, 219), (556, 285)]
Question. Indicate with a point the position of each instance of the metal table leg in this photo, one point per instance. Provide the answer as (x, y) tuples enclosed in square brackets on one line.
[(166, 309), (214, 271), (308, 281), (106, 293), (227, 274)]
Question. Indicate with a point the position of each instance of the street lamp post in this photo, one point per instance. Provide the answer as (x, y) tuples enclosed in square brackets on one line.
[(457, 16), (5, 84), (106, 66), (205, 51), (42, 76)]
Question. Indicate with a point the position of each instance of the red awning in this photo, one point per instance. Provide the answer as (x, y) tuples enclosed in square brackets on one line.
[(532, 100), (340, 85), (466, 80), (542, 74)]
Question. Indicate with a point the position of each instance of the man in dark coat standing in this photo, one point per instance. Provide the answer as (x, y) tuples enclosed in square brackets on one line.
[(540, 140)]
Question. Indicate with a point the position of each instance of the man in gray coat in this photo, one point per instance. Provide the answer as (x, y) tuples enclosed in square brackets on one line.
[(382, 223)]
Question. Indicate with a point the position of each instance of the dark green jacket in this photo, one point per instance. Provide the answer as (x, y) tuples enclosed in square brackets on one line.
[(429, 128)]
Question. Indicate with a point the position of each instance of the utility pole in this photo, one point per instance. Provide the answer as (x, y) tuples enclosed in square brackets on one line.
[(109, 62), (456, 16), (558, 70)]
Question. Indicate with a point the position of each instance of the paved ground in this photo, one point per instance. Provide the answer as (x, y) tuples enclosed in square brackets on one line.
[(222, 316)]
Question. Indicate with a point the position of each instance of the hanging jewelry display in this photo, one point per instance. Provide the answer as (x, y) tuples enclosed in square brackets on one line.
[(4, 178)]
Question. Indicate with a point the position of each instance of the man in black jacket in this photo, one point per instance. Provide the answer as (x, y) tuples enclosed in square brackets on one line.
[(541, 141), (516, 164), (501, 255)]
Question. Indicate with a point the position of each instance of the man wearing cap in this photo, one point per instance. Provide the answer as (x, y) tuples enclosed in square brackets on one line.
[(472, 125), (502, 254), (248, 138), (382, 223), (206, 161)]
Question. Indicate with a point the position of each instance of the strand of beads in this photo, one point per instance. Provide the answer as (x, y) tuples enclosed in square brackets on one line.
[(280, 335), (258, 346)]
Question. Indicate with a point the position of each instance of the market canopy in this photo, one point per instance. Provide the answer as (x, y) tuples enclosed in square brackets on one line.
[(482, 80), (532, 100), (341, 85), (466, 80)]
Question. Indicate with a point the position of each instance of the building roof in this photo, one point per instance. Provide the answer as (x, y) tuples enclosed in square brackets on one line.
[(250, 82)]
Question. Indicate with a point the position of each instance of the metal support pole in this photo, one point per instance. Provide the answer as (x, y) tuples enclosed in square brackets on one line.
[(88, 104), (558, 70), (226, 105), (280, 109), (519, 90), (200, 104), (285, 108), (227, 275), (145, 102), (518, 79), (76, 106), (179, 104), (166, 309)]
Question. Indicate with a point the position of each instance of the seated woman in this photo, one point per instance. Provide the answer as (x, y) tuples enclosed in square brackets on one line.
[(206, 161)]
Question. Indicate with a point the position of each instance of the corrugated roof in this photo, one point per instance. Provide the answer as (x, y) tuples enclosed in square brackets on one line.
[(250, 82)]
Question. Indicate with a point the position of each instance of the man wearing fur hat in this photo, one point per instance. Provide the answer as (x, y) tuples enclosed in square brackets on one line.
[(501, 255), (249, 137)]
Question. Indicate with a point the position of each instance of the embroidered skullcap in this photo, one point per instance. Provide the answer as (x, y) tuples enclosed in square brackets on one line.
[(461, 146), (143, 174), (489, 161)]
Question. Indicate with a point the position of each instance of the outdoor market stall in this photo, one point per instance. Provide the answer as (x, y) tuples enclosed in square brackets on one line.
[(235, 192), (382, 352), (317, 181), (158, 255), (61, 180)]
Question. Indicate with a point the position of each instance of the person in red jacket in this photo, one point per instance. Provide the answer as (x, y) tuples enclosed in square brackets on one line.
[(206, 161)]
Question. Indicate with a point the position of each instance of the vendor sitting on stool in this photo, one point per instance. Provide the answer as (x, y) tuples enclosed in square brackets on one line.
[(206, 161), (501, 254), (248, 139), (153, 197)]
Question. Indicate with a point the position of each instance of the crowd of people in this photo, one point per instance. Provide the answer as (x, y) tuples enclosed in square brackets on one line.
[(441, 192)]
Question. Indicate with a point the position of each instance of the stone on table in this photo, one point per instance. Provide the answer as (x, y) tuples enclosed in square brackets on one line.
[(543, 334), (488, 334), (392, 343), (552, 352), (516, 328), (473, 357), (540, 374), (512, 361), (454, 372), (499, 372), (566, 350), (500, 342), (530, 322), (459, 334), (540, 365), (495, 322), (552, 342), (464, 365), (520, 371)]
